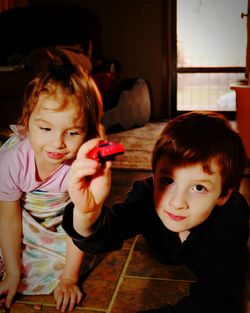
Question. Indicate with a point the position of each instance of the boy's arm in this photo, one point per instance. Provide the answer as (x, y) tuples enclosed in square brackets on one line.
[(89, 185), (124, 220), (10, 244)]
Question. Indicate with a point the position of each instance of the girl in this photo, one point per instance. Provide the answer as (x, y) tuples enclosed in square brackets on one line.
[(62, 109)]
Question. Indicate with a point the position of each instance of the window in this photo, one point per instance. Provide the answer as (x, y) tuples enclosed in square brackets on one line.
[(211, 40)]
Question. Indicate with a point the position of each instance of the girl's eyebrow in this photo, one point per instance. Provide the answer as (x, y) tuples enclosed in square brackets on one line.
[(41, 120), (47, 122)]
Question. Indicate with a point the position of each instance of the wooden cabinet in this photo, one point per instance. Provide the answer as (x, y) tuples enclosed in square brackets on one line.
[(248, 43), (243, 114)]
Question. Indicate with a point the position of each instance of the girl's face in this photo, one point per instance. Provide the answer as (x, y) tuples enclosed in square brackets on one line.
[(185, 196), (55, 132)]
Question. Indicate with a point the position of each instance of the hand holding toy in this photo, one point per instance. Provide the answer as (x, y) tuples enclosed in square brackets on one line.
[(106, 151)]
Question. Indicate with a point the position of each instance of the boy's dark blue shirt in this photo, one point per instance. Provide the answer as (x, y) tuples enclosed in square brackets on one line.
[(215, 251)]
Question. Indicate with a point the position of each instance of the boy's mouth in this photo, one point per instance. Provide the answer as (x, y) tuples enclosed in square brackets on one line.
[(176, 218)]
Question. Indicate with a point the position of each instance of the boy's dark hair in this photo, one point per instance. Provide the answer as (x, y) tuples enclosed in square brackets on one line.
[(199, 137)]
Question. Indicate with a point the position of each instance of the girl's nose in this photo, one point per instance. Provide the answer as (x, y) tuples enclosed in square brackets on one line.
[(178, 201), (57, 141)]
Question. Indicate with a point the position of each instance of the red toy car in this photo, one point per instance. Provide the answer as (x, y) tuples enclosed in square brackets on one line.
[(106, 151)]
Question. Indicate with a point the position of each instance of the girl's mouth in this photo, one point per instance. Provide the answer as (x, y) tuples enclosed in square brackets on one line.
[(176, 218), (55, 155)]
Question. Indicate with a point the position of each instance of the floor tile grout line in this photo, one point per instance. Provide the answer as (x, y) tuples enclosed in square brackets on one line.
[(53, 305), (34, 303), (90, 309), (122, 275), (86, 308), (158, 278)]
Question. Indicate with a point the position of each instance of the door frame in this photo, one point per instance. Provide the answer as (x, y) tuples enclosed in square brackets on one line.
[(169, 61)]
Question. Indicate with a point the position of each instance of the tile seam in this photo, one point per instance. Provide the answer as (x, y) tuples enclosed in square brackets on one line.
[(122, 275), (158, 278)]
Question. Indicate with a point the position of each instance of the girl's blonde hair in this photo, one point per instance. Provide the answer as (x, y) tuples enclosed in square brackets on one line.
[(63, 79)]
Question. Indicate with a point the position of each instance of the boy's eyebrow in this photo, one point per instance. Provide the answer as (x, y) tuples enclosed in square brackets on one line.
[(207, 181), (164, 171)]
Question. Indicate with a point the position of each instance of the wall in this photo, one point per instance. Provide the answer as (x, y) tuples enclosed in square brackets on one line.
[(131, 33)]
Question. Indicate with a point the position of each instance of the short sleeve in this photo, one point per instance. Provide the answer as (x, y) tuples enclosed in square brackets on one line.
[(9, 190)]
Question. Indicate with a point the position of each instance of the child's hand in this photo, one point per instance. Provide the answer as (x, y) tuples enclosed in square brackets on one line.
[(67, 294), (89, 181), (8, 289)]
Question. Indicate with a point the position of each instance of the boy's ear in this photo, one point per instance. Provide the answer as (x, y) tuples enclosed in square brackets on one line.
[(223, 199)]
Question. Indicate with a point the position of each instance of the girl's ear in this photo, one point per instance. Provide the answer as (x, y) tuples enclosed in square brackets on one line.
[(223, 200)]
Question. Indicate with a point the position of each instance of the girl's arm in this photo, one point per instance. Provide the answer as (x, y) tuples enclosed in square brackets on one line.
[(67, 293), (10, 244)]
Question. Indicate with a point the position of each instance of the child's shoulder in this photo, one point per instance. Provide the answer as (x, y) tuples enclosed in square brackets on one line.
[(143, 186), (15, 152), (237, 199), (235, 210), (141, 190)]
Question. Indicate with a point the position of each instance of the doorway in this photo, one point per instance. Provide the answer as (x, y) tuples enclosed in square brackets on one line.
[(208, 40)]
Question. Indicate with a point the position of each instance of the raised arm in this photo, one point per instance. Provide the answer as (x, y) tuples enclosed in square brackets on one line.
[(89, 185), (10, 244)]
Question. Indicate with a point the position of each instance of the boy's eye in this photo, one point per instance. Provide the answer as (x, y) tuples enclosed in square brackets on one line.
[(200, 188), (167, 180)]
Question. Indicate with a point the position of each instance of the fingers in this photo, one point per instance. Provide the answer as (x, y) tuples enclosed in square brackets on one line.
[(87, 146), (58, 297), (74, 299), (67, 298), (7, 295), (84, 166), (3, 297), (8, 298), (68, 301)]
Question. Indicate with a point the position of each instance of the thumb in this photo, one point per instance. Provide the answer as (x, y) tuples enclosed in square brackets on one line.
[(86, 147)]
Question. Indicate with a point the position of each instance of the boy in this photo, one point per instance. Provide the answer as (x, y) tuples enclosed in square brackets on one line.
[(189, 212)]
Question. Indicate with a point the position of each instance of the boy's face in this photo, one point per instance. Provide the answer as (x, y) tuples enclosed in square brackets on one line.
[(185, 196)]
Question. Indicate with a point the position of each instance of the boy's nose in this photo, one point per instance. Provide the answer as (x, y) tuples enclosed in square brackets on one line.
[(178, 201)]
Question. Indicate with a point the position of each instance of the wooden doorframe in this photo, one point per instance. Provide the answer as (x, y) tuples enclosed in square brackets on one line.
[(169, 59), (248, 44)]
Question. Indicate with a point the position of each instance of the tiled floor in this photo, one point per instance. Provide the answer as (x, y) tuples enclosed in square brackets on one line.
[(127, 280)]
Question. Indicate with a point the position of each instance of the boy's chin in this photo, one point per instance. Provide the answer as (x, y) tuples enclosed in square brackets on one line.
[(175, 227)]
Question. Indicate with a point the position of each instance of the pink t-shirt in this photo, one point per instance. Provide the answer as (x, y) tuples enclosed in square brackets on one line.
[(18, 173)]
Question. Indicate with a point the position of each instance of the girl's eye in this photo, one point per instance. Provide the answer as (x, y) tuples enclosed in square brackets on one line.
[(72, 133), (46, 129), (200, 188)]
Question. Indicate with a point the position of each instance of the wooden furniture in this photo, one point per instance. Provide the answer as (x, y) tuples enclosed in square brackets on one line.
[(243, 114)]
